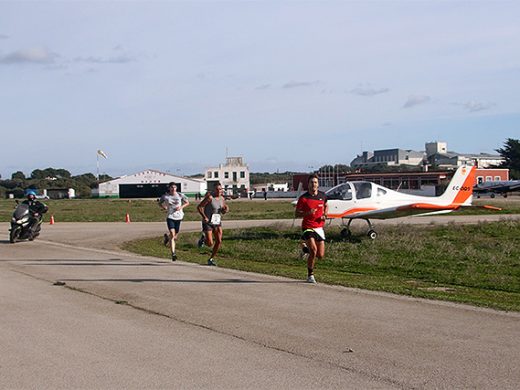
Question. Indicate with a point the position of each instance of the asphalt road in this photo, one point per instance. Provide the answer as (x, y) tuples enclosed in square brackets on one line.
[(117, 320)]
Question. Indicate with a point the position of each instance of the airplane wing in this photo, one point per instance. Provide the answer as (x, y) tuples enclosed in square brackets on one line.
[(511, 187), (396, 212), (417, 209)]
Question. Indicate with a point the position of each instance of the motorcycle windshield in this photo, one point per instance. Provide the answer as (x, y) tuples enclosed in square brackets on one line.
[(21, 211)]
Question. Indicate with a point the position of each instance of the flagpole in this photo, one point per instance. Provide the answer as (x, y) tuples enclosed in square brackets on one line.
[(97, 164)]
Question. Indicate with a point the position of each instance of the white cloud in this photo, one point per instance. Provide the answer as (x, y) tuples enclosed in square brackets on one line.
[(120, 59), (416, 100), (299, 84), (473, 106), (368, 91), (33, 55)]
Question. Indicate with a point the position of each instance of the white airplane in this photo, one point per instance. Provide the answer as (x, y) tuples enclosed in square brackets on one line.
[(366, 200)]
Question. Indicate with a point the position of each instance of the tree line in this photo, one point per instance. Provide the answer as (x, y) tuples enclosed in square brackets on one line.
[(49, 178)]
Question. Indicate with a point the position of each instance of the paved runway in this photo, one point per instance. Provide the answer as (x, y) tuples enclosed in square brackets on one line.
[(126, 321)]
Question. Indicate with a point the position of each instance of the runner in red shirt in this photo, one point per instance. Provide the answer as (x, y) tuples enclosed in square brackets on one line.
[(312, 206)]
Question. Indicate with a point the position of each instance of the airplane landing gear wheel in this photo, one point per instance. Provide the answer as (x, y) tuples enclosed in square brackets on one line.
[(345, 234), (372, 234)]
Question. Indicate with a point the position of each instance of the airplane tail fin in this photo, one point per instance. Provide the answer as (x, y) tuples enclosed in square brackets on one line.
[(460, 190)]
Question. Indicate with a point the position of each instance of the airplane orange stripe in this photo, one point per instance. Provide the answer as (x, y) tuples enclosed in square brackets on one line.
[(351, 211), (428, 206), (488, 207)]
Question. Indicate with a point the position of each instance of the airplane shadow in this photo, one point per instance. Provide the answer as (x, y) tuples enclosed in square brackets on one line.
[(90, 264), (202, 281), (59, 262)]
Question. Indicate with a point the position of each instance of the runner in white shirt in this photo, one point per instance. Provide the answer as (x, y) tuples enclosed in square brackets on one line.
[(174, 202)]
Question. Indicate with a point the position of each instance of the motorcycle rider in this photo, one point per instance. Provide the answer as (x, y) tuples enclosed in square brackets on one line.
[(36, 209)]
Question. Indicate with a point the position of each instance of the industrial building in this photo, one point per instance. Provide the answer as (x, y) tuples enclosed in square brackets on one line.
[(148, 184), (436, 154)]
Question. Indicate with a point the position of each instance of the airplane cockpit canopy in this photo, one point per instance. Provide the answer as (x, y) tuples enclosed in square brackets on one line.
[(340, 192), (361, 190)]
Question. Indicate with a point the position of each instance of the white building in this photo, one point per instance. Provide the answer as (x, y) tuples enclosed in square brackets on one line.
[(388, 157), (284, 187), (148, 184), (58, 194), (436, 147), (233, 175), (438, 155)]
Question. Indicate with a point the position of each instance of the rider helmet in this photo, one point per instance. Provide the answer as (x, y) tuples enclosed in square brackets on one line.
[(30, 193)]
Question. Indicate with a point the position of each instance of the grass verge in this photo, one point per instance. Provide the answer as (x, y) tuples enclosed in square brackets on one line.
[(147, 210), (474, 264)]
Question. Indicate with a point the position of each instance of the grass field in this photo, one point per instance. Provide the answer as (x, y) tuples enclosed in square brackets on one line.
[(146, 210), (475, 264)]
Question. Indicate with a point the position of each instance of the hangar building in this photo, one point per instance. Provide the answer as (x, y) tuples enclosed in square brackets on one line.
[(148, 184)]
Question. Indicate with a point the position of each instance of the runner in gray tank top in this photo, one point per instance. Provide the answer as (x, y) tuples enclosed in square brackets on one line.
[(212, 207)]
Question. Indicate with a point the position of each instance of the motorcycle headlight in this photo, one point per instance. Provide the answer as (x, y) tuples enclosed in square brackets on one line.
[(23, 220)]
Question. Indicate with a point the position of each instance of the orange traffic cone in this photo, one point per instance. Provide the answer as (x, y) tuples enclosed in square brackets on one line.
[(127, 218), (52, 220)]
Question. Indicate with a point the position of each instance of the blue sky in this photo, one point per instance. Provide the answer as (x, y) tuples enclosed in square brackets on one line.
[(288, 85)]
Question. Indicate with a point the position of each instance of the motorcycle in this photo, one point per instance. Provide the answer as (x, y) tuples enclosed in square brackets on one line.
[(21, 223)]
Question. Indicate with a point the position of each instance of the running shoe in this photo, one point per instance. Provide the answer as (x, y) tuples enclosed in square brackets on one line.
[(200, 243), (174, 257), (212, 262), (304, 252), (311, 279), (166, 239)]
